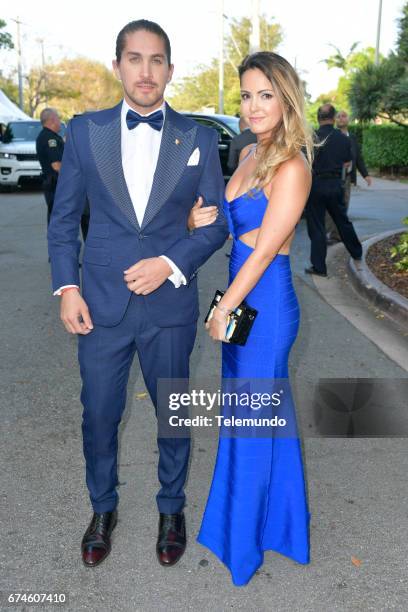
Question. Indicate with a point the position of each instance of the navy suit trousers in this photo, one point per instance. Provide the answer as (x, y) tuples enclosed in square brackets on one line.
[(105, 357)]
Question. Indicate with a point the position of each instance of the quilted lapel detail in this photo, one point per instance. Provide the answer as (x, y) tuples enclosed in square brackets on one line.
[(105, 142), (175, 149)]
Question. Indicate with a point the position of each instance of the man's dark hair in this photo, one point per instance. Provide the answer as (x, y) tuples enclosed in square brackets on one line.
[(136, 26), (327, 111)]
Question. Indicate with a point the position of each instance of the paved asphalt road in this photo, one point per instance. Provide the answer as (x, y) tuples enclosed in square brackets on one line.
[(357, 487)]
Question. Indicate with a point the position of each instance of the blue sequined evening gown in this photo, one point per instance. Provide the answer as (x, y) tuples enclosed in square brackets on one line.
[(258, 500)]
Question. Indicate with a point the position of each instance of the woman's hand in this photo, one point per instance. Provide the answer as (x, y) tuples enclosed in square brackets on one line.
[(199, 217), (217, 325)]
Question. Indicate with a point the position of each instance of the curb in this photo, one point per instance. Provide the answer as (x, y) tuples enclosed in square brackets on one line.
[(394, 305)]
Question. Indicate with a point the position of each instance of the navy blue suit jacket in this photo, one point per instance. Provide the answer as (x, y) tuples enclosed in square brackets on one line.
[(92, 169)]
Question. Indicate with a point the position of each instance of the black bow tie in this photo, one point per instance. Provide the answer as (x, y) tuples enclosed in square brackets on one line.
[(155, 120)]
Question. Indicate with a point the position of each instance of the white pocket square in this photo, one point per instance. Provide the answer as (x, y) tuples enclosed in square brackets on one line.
[(194, 157)]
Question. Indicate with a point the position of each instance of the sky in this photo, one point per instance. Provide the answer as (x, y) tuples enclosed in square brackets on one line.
[(90, 29)]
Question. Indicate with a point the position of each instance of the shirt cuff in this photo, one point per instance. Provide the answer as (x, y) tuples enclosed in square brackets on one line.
[(177, 278), (58, 291)]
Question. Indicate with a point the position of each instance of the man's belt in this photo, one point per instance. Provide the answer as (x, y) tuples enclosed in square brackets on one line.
[(327, 174)]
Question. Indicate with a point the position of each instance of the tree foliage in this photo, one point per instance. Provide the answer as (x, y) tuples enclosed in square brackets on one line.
[(338, 60), (7, 84), (402, 42), (9, 87), (382, 90), (6, 41), (350, 64), (71, 86), (200, 90), (40, 86)]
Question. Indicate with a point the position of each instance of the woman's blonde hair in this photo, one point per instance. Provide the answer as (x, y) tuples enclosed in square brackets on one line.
[(292, 134)]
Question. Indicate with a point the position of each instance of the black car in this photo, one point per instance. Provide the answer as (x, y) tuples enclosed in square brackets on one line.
[(227, 127)]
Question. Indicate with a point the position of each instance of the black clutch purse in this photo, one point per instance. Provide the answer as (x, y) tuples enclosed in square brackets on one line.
[(239, 321)]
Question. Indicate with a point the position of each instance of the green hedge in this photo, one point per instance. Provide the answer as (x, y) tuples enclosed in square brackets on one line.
[(385, 146), (357, 130)]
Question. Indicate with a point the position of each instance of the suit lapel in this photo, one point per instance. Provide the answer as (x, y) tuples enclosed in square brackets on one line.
[(105, 142), (175, 149)]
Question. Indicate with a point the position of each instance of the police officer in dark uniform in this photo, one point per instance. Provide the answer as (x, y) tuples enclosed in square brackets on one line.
[(329, 165), (50, 147)]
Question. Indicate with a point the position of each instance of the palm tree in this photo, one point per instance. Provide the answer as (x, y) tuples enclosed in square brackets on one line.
[(338, 60)]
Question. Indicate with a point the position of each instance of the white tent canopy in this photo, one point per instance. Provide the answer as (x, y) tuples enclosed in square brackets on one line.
[(9, 111)]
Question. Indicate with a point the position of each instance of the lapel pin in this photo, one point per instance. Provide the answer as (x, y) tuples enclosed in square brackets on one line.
[(177, 141)]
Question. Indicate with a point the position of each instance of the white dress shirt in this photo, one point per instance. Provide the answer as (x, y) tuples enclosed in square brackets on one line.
[(140, 152), (140, 149)]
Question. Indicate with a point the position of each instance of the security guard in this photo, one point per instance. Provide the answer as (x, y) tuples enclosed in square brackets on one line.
[(342, 122), (330, 162), (50, 147)]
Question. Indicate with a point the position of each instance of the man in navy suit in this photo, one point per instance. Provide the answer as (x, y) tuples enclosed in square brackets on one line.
[(141, 165)]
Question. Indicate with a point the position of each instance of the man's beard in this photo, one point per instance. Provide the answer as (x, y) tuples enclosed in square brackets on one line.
[(144, 103)]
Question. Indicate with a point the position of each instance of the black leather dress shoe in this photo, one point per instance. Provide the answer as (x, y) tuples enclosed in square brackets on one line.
[(312, 270), (96, 544), (171, 541)]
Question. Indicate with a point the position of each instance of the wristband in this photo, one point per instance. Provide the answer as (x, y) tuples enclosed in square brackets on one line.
[(68, 289)]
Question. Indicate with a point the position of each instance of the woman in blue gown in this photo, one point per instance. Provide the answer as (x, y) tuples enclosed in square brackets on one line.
[(258, 500)]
